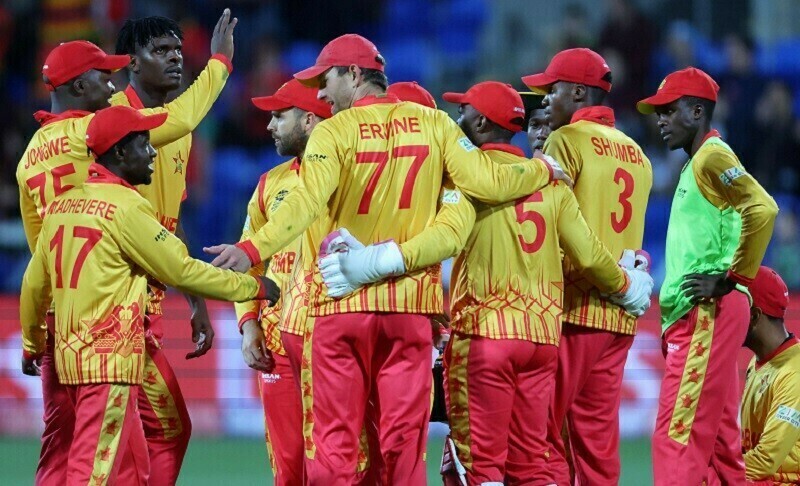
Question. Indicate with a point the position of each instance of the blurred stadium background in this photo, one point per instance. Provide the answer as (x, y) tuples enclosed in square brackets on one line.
[(752, 48)]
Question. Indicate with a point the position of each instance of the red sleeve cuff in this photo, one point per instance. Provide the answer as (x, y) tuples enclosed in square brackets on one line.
[(250, 249), (224, 60), (28, 355), (626, 284), (739, 279), (247, 317), (549, 169)]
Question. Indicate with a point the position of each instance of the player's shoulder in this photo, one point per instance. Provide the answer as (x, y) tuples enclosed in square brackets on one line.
[(285, 167), (714, 156)]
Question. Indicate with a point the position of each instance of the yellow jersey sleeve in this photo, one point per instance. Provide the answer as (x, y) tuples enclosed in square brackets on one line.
[(475, 174), (255, 220), (724, 182), (320, 172), (559, 147), (448, 234), (781, 431), (188, 110), (31, 221), (164, 256), (587, 253), (34, 302)]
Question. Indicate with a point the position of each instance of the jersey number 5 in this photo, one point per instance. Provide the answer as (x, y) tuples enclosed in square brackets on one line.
[(418, 152), (536, 218), (39, 181), (92, 237), (625, 179)]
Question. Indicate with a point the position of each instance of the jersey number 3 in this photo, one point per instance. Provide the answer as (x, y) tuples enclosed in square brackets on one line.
[(624, 179), (534, 217)]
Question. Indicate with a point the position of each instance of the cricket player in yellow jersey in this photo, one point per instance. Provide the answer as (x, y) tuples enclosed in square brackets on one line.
[(272, 338), (771, 403), (155, 47), (98, 243), (56, 159), (376, 168), (612, 178), (719, 228)]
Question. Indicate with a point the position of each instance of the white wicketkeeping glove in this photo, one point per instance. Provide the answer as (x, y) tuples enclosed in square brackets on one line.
[(346, 264), (636, 298)]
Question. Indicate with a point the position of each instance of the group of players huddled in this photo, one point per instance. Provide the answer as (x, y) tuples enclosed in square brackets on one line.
[(337, 276)]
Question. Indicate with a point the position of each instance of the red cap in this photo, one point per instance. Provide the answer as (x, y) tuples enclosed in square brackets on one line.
[(769, 293), (71, 59), (498, 102), (413, 92), (110, 125), (293, 94), (579, 65), (686, 82), (343, 51)]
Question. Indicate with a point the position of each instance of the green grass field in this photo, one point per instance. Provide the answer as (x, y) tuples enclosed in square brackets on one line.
[(242, 462)]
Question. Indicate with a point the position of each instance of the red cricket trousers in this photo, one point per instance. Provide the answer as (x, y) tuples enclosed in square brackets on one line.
[(586, 399), (283, 413), (697, 425), (163, 411), (108, 432), (59, 419), (355, 356), (498, 393)]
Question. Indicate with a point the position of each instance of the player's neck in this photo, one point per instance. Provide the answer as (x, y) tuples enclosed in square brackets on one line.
[(150, 97), (367, 89), (60, 105), (766, 345), (698, 139)]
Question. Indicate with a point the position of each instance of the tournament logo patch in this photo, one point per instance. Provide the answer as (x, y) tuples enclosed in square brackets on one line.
[(451, 196), (731, 175), (278, 199), (466, 144)]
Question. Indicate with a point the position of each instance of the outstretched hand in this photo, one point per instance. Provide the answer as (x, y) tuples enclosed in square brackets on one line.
[(229, 257), (222, 39)]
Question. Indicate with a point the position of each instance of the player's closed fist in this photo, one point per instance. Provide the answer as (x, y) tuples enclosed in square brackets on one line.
[(222, 39), (254, 348), (558, 171), (31, 365), (273, 292)]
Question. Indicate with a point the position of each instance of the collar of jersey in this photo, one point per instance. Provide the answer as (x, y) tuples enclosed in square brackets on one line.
[(100, 175), (45, 117), (504, 147), (712, 133), (376, 99), (597, 114), (295, 164), (791, 341), (133, 98)]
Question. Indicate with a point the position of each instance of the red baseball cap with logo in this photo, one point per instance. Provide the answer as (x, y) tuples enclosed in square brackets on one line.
[(769, 293), (71, 59), (413, 92), (499, 102), (343, 51), (293, 94), (686, 82), (110, 125), (579, 65)]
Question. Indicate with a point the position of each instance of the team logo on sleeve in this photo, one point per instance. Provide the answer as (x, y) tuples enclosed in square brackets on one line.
[(731, 175), (466, 144), (788, 415), (451, 196), (278, 199)]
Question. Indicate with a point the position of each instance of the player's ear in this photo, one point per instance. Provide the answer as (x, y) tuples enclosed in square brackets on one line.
[(134, 64), (579, 93), (354, 72)]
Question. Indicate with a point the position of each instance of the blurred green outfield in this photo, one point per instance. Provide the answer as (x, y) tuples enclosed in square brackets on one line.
[(242, 462)]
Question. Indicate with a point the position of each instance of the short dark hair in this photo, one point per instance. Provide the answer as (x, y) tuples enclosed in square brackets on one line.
[(708, 105), (372, 76), (595, 95), (137, 33)]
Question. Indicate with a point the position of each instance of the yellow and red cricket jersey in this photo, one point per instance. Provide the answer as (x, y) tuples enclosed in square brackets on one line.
[(508, 281), (771, 416), (613, 179), (272, 189), (168, 189), (97, 245), (376, 169), (57, 159)]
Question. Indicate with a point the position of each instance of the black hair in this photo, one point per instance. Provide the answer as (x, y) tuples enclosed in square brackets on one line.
[(708, 105), (595, 95), (137, 33), (108, 155), (371, 76)]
